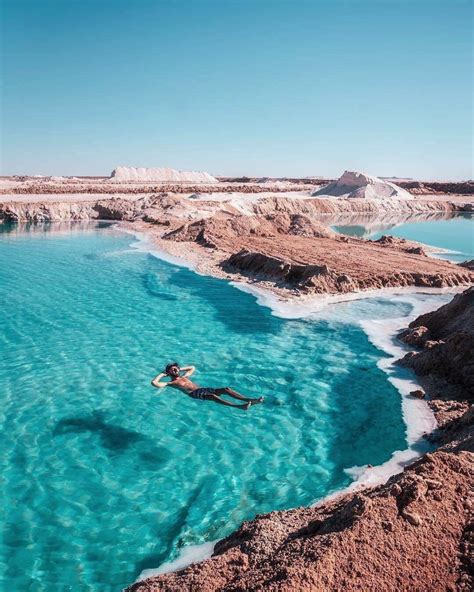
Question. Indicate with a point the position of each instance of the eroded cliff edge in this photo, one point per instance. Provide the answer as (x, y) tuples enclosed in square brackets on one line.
[(276, 242), (413, 533)]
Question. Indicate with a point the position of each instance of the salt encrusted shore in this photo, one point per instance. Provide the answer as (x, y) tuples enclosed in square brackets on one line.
[(275, 246), (241, 558), (419, 419), (412, 533), (273, 241)]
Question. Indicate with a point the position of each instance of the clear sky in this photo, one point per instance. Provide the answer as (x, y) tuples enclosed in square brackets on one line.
[(256, 87)]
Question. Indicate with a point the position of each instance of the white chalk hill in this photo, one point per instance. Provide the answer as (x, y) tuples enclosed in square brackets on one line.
[(162, 175), (353, 184)]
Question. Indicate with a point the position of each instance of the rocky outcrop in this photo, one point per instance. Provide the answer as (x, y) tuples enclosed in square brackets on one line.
[(322, 205), (404, 535), (319, 278), (401, 244), (447, 339), (295, 251), (456, 316), (325, 279), (300, 225), (237, 203), (219, 229), (149, 207), (47, 211), (414, 533), (468, 264), (353, 184), (277, 240), (51, 211), (436, 360), (416, 336), (122, 209)]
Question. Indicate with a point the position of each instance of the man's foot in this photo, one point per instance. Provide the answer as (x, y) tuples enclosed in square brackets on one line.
[(257, 401), (247, 405)]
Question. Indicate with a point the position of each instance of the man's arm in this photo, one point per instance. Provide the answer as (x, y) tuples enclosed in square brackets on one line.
[(156, 381), (188, 370)]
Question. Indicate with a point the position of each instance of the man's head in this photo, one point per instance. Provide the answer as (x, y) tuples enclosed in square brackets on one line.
[(172, 370)]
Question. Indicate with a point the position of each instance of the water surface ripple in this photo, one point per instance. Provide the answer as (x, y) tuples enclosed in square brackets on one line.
[(102, 476)]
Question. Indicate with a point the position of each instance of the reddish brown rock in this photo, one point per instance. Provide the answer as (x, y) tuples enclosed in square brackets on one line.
[(293, 251), (388, 538), (468, 264), (412, 534), (416, 337), (325, 265), (220, 229), (455, 316), (401, 244), (449, 358)]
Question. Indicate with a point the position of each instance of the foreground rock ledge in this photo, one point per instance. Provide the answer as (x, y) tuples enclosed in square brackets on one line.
[(414, 533)]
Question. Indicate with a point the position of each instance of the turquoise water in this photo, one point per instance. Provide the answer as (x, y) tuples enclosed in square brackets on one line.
[(455, 234), (102, 475)]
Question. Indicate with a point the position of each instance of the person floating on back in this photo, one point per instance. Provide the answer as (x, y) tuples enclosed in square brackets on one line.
[(183, 384)]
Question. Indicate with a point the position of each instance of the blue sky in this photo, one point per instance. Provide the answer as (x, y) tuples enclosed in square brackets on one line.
[(257, 87)]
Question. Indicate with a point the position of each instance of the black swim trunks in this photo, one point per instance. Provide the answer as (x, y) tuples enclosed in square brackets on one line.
[(202, 393)]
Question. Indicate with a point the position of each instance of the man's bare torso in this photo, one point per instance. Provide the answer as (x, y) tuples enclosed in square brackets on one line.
[(183, 384)]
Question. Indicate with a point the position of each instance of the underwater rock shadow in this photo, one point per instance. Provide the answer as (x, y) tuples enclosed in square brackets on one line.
[(114, 438), (173, 533), (91, 256), (374, 406), (247, 319), (151, 284), (180, 284)]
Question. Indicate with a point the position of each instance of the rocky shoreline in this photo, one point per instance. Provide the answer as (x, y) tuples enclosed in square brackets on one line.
[(413, 533), (279, 245), (273, 242), (118, 205)]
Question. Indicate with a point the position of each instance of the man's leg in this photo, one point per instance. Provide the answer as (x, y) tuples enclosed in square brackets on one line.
[(217, 399), (234, 394)]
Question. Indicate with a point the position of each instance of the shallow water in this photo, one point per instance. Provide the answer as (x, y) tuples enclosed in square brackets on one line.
[(455, 234), (102, 475)]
